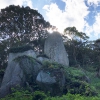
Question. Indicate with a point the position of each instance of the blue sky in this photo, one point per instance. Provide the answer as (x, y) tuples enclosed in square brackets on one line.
[(83, 14)]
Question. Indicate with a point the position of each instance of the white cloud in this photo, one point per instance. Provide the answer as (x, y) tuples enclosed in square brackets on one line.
[(91, 2), (28, 3), (88, 29), (73, 15), (5, 3), (94, 30), (96, 25)]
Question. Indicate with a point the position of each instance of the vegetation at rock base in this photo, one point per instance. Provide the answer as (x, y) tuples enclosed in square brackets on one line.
[(77, 82), (40, 95)]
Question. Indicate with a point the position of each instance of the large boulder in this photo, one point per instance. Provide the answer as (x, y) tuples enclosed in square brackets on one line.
[(21, 70), (14, 55), (52, 79), (12, 76), (55, 50)]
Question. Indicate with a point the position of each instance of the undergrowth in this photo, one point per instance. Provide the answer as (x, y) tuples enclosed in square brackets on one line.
[(40, 95)]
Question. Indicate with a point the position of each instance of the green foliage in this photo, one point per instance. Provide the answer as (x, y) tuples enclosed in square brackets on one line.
[(3, 54), (23, 31), (74, 34), (39, 95), (82, 88), (19, 95), (24, 26), (74, 73), (72, 97), (14, 21), (48, 64), (95, 81), (76, 82)]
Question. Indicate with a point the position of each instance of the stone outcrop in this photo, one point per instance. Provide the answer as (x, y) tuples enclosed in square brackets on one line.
[(24, 66), (55, 50), (12, 56), (12, 76), (53, 79), (21, 70)]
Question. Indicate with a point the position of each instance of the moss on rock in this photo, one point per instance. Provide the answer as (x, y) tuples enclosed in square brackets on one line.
[(20, 49)]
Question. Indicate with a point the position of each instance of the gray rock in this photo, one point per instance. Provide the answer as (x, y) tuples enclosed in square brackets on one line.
[(0, 81), (11, 71), (21, 70), (43, 59), (44, 77), (5, 90), (13, 76), (12, 56), (52, 79), (55, 50)]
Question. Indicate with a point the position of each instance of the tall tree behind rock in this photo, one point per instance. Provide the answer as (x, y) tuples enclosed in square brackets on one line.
[(22, 23), (22, 26), (75, 43)]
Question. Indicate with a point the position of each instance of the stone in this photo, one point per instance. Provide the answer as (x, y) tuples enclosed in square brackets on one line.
[(43, 59), (21, 70), (55, 50), (12, 56), (12, 77), (52, 79), (44, 77)]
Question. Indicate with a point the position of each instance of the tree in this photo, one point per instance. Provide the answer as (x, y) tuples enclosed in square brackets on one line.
[(96, 58), (16, 22), (74, 34), (74, 44), (21, 26)]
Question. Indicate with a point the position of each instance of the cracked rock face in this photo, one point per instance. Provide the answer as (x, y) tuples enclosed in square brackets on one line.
[(55, 50)]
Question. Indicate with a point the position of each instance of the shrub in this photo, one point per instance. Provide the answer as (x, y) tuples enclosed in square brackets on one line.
[(76, 82), (39, 95), (48, 64), (19, 95)]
